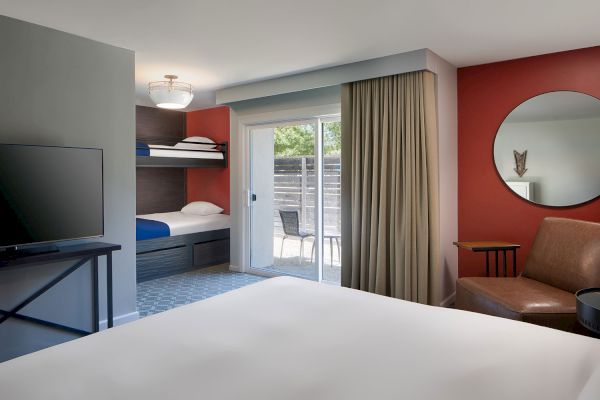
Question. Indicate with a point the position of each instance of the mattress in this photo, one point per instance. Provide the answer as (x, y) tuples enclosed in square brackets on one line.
[(172, 151), (286, 338), (150, 226), (150, 229)]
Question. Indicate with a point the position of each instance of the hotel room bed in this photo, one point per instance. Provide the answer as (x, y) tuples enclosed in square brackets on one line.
[(154, 150), (175, 242), (150, 226), (174, 152), (285, 338)]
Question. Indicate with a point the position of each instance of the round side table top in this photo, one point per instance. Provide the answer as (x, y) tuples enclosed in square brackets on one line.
[(588, 308)]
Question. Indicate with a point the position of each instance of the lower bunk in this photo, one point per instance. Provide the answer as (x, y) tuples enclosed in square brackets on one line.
[(160, 257)]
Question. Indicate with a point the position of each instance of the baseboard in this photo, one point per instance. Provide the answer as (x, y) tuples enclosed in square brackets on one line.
[(235, 268), (121, 319), (448, 301)]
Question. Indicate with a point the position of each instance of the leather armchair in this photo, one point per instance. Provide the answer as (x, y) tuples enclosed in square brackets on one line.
[(564, 258)]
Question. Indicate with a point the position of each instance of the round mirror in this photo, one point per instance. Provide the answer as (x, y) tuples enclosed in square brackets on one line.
[(548, 149)]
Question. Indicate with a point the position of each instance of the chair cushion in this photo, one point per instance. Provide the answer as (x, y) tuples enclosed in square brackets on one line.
[(565, 254), (518, 298)]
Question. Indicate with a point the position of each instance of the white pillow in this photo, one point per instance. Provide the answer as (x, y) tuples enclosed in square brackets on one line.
[(201, 208), (196, 146)]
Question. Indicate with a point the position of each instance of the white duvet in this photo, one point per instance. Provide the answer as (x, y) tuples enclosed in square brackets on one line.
[(183, 223), (286, 338)]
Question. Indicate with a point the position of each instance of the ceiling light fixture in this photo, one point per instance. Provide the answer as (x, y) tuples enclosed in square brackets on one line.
[(170, 94)]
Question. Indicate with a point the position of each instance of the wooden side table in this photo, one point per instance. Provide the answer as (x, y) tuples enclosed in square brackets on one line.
[(492, 246)]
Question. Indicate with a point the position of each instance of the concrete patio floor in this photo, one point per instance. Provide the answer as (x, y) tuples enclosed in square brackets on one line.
[(291, 264)]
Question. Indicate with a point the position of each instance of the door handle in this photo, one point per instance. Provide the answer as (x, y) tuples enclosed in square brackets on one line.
[(253, 197)]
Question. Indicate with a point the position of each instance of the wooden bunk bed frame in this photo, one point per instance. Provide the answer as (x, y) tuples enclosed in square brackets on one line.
[(161, 187)]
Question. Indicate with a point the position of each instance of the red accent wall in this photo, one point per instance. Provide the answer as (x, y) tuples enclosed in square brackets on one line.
[(209, 184), (487, 209)]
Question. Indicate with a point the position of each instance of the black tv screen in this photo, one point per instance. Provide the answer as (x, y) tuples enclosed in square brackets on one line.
[(49, 194)]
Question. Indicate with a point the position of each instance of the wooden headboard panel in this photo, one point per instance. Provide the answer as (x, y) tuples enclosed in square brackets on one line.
[(152, 123), (159, 189)]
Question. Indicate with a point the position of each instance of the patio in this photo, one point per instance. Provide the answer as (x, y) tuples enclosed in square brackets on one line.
[(290, 264), (293, 194)]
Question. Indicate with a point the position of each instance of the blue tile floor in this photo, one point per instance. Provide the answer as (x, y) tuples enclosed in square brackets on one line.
[(162, 294)]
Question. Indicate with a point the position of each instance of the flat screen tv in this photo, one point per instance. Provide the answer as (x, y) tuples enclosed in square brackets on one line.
[(49, 194)]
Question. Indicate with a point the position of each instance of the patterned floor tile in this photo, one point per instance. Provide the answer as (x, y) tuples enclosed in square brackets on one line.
[(162, 294)]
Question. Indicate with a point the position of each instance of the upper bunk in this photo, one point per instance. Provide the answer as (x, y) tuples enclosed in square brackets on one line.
[(190, 152), (161, 142)]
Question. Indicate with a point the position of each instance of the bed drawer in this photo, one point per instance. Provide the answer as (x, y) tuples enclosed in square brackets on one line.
[(159, 263), (211, 253)]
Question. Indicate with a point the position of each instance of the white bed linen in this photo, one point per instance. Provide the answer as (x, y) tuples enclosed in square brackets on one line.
[(183, 223), (285, 338), (157, 150)]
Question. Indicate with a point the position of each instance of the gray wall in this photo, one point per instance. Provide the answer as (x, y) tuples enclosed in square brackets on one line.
[(446, 86), (326, 77), (60, 89), (289, 101)]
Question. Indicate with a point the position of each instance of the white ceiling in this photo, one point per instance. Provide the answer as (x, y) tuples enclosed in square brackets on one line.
[(219, 43)]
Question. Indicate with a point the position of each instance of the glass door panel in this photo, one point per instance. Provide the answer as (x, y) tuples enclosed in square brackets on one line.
[(283, 199), (332, 166)]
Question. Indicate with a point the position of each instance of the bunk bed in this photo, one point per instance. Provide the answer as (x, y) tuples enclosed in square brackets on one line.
[(194, 152), (170, 240)]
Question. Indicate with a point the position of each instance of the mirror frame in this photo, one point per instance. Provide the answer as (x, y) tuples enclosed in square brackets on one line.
[(502, 179)]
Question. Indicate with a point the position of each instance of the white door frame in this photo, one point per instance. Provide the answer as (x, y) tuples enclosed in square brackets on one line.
[(244, 125)]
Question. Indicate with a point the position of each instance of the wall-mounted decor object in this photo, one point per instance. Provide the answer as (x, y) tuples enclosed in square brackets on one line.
[(564, 129), (520, 160), (170, 94)]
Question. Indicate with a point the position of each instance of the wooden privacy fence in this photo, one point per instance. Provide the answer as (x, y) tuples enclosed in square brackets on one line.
[(294, 189)]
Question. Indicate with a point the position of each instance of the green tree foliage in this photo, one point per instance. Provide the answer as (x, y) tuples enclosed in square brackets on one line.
[(332, 138), (299, 140)]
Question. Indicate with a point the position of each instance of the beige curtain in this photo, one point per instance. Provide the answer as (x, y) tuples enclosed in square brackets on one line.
[(390, 186)]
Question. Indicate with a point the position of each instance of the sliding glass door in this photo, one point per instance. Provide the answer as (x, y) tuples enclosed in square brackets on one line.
[(294, 199)]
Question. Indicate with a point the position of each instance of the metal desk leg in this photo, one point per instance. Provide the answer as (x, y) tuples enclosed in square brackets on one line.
[(41, 291), (487, 263), (109, 290), (515, 263), (496, 263), (95, 294)]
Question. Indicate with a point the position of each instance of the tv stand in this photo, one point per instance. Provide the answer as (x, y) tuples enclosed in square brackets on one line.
[(80, 254)]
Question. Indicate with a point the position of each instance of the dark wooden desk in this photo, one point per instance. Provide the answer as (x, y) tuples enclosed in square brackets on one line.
[(81, 254), (492, 246)]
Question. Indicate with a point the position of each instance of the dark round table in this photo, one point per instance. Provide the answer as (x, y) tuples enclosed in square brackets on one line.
[(588, 309)]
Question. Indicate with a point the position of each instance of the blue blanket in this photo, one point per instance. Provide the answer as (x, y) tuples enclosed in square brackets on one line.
[(150, 229), (142, 149)]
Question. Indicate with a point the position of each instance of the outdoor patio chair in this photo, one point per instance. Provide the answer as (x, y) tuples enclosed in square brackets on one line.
[(291, 228)]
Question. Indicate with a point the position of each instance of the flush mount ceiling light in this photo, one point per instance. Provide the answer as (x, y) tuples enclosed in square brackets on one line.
[(170, 94)]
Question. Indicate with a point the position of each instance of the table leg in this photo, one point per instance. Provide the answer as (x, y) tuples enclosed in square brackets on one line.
[(515, 263), (109, 290), (504, 261), (496, 263), (95, 293), (487, 263)]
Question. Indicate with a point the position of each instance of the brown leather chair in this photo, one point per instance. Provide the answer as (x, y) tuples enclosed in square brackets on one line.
[(564, 258)]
